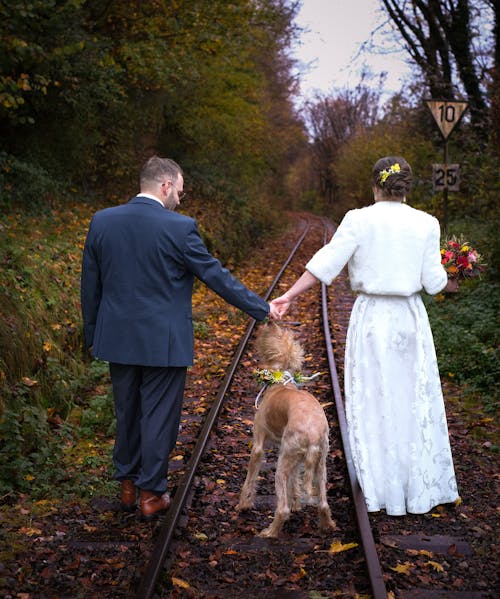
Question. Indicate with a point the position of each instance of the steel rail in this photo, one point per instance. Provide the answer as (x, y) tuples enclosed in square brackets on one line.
[(365, 531), (158, 556)]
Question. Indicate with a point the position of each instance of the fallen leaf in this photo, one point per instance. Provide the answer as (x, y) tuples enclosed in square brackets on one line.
[(338, 547), (298, 575), (180, 583), (31, 532), (438, 567), (403, 568), (420, 552), (453, 550)]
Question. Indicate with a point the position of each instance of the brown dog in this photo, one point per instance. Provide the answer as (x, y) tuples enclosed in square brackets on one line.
[(294, 419)]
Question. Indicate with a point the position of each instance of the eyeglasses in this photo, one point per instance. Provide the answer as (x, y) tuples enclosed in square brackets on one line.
[(181, 194)]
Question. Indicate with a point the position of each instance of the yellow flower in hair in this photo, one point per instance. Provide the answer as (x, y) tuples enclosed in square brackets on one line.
[(387, 172)]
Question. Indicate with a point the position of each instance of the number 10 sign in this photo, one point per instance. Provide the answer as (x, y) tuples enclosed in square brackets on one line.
[(446, 114)]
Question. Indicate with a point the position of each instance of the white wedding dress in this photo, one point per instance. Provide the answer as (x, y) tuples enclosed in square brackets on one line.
[(394, 407), (394, 404)]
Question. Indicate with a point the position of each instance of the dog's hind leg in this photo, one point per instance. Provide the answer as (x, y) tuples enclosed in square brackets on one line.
[(294, 487), (285, 466), (247, 494), (324, 514), (310, 463)]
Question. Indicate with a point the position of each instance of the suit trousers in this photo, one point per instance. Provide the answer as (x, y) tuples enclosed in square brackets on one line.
[(148, 404)]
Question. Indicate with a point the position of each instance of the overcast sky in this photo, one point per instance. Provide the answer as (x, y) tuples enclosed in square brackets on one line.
[(337, 30)]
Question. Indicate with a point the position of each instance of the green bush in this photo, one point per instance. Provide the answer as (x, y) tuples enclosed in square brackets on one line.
[(466, 325), (26, 184), (465, 329), (29, 452), (98, 416)]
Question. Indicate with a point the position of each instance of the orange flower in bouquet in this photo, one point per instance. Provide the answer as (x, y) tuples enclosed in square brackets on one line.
[(460, 259)]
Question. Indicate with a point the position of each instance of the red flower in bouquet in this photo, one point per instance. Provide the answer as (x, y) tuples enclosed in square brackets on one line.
[(460, 259)]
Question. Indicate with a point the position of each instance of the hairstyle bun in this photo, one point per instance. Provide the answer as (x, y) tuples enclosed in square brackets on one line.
[(392, 174)]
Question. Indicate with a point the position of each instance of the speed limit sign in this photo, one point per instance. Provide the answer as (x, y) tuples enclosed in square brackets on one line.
[(447, 114), (446, 176)]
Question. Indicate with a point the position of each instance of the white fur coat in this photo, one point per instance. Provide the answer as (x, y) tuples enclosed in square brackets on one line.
[(390, 249)]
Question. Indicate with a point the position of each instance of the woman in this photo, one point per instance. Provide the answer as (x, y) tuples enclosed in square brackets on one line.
[(394, 403)]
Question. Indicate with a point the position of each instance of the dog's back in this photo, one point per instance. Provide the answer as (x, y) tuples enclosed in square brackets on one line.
[(284, 404)]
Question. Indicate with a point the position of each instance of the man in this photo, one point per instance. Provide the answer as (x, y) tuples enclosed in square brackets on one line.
[(139, 264)]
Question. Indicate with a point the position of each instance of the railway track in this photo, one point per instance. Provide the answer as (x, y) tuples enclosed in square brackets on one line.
[(202, 547), (227, 551)]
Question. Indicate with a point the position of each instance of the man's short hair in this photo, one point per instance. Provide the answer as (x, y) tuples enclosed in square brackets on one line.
[(158, 169)]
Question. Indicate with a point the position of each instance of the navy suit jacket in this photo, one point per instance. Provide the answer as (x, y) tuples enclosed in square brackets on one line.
[(138, 269)]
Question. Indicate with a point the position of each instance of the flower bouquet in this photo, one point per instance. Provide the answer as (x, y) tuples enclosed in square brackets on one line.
[(460, 259)]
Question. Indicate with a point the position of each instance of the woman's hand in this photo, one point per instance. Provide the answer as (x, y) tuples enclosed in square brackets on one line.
[(279, 307), (451, 286)]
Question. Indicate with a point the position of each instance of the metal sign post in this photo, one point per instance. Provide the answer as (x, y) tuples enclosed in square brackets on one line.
[(447, 115)]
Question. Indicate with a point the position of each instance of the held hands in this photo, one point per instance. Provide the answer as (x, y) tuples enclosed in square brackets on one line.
[(279, 307)]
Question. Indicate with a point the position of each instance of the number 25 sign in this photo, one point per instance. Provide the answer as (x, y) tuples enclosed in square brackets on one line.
[(446, 176)]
